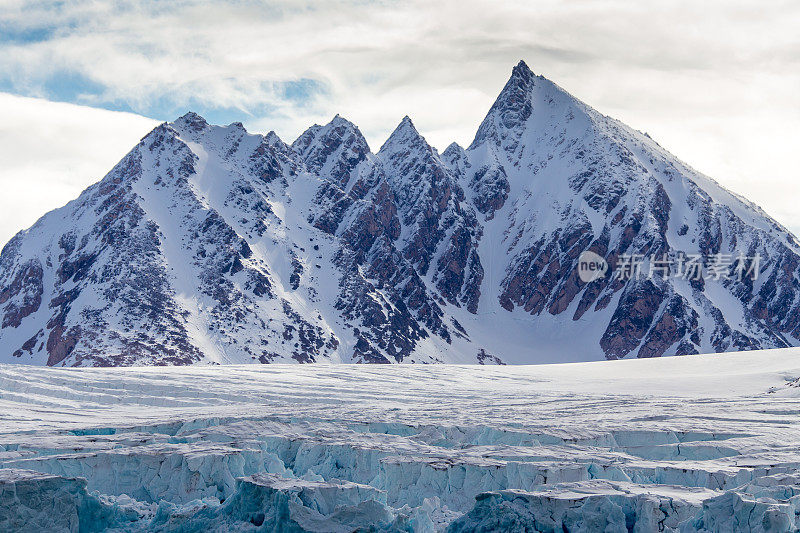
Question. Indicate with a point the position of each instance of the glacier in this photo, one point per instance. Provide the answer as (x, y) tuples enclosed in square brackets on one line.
[(696, 443)]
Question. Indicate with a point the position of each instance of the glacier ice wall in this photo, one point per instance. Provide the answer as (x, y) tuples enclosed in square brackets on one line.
[(707, 443)]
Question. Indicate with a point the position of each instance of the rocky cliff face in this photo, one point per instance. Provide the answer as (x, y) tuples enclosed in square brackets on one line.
[(208, 244)]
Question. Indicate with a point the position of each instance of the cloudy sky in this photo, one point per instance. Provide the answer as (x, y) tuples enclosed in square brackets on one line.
[(715, 82)]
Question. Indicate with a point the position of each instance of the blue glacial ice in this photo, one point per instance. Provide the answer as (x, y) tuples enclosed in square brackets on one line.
[(459, 449)]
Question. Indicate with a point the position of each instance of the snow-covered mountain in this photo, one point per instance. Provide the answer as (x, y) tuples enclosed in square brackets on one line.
[(208, 244)]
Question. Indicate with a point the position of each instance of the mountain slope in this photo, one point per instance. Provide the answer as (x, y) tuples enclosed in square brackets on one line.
[(208, 244), (582, 181)]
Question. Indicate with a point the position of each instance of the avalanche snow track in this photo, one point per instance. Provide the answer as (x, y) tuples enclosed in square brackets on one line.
[(707, 442)]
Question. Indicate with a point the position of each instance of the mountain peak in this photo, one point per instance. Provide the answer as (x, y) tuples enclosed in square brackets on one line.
[(455, 157), (511, 109), (406, 126), (338, 125), (522, 71), (333, 149), (272, 139), (191, 116), (192, 121), (453, 148), (404, 134), (339, 121)]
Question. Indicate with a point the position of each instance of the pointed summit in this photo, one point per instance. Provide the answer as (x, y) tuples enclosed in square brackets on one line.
[(405, 128), (190, 122), (511, 109), (341, 128), (334, 131), (191, 116), (453, 149), (274, 141), (333, 149), (455, 157), (339, 120), (405, 134), (522, 71)]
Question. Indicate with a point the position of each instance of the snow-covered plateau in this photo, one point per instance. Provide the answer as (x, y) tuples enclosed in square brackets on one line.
[(704, 442)]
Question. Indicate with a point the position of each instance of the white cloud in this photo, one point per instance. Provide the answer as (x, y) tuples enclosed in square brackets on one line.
[(51, 151), (715, 82)]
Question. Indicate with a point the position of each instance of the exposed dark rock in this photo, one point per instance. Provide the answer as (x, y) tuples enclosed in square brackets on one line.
[(631, 319)]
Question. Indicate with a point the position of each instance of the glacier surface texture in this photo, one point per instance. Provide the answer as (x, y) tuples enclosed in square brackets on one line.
[(697, 443)]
